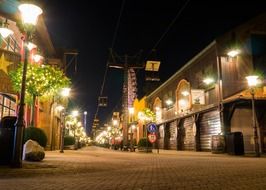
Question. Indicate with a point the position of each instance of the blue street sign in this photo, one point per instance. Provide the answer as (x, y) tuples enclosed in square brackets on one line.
[(152, 128)]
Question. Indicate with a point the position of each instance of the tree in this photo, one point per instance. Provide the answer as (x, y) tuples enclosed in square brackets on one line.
[(147, 115), (41, 80)]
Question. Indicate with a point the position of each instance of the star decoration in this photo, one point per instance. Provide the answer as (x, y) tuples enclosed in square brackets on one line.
[(4, 64)]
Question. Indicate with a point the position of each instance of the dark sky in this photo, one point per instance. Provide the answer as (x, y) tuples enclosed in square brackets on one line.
[(89, 27)]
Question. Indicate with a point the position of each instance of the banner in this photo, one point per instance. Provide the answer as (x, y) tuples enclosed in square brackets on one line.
[(198, 96)]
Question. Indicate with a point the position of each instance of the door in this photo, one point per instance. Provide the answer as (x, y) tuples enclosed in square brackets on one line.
[(209, 125), (189, 139), (166, 136)]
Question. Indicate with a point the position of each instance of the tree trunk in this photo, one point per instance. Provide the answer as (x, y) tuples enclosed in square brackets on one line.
[(33, 111)]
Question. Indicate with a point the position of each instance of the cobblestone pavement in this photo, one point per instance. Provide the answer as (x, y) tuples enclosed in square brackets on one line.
[(102, 169)]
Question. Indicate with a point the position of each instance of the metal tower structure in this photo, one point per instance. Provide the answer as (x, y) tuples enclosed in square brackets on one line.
[(128, 64)]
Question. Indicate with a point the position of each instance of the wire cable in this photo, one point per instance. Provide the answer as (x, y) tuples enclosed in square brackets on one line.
[(112, 45), (118, 23), (169, 27)]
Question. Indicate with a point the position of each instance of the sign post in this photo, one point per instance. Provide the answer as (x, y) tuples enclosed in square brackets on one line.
[(151, 128), (151, 134)]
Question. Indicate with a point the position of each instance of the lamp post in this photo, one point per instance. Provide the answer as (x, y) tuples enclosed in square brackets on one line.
[(74, 115), (65, 93), (29, 13), (252, 83), (85, 120)]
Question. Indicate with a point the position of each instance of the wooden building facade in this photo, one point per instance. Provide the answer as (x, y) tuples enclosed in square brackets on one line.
[(11, 54), (209, 95)]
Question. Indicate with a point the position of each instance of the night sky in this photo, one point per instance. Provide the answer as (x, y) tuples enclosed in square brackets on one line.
[(89, 27)]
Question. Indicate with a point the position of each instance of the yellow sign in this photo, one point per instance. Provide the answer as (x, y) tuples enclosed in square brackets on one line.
[(4, 64)]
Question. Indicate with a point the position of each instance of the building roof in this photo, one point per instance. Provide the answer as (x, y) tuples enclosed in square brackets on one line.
[(190, 62)]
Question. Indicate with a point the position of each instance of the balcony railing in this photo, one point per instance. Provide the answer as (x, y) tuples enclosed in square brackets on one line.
[(171, 113), (10, 44)]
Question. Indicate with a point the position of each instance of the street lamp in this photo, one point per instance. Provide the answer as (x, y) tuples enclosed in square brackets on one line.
[(169, 102), (233, 52), (85, 120), (75, 113), (65, 92), (208, 80), (29, 14), (115, 122), (252, 83)]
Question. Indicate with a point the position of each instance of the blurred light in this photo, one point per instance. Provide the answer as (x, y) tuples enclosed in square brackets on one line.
[(157, 108), (252, 80), (133, 127), (115, 122), (60, 107), (85, 112), (182, 103), (65, 92), (208, 80), (75, 113), (31, 46), (37, 58), (233, 52), (185, 93), (131, 110), (169, 102), (5, 32), (29, 13)]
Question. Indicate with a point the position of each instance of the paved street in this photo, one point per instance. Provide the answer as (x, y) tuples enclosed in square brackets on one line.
[(102, 169)]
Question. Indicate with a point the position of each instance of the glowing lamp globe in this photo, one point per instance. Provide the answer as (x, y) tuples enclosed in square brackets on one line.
[(252, 80), (29, 13), (65, 92), (233, 52), (75, 113), (208, 81)]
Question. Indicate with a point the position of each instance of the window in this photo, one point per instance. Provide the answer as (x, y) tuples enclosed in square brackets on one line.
[(7, 106)]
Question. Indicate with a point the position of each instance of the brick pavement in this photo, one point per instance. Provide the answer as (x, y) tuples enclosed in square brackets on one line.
[(101, 169)]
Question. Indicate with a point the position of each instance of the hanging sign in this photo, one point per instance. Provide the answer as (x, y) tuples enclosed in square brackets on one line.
[(198, 96)]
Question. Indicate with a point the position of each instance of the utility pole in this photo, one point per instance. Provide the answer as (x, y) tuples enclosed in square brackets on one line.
[(126, 64)]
